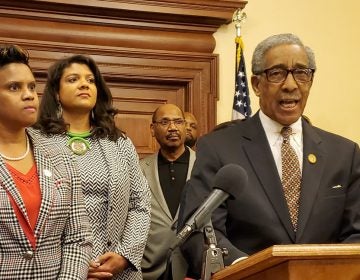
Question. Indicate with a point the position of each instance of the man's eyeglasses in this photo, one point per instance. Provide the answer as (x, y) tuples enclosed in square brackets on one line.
[(279, 75), (167, 122)]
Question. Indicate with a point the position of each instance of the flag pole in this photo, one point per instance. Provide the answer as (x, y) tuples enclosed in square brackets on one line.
[(239, 17), (241, 105)]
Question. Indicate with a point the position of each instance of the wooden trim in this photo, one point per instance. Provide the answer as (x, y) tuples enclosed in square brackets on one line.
[(277, 255), (183, 25), (161, 49)]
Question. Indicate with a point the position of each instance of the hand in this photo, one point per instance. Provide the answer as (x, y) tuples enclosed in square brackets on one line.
[(106, 266)]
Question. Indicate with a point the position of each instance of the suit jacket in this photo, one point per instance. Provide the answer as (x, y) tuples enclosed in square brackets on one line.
[(128, 212), (329, 210), (163, 227), (63, 247), (129, 205)]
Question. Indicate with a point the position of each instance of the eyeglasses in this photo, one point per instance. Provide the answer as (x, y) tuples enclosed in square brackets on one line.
[(279, 75), (167, 122)]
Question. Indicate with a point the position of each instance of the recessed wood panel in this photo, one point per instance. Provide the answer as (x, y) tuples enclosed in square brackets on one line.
[(150, 52), (137, 128), (136, 104)]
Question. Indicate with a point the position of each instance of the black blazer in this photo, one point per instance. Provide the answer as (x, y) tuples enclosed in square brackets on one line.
[(330, 192)]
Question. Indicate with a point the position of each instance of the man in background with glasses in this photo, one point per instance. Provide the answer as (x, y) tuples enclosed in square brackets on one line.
[(303, 182), (167, 172)]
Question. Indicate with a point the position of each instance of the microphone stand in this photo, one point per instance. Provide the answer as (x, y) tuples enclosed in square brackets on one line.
[(167, 275), (213, 257)]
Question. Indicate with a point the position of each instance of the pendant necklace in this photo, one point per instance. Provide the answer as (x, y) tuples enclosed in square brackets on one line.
[(20, 157), (78, 143)]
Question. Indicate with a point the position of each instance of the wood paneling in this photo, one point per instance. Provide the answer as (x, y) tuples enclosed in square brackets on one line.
[(150, 52)]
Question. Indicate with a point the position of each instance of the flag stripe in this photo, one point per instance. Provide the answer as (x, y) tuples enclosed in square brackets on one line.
[(241, 105)]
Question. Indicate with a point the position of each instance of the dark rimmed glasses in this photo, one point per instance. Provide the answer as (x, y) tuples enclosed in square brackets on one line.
[(167, 122), (279, 75)]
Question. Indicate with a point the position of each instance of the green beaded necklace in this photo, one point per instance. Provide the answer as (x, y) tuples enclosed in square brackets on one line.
[(77, 142)]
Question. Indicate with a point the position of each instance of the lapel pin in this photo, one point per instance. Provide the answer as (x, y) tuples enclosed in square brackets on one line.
[(312, 158), (47, 173)]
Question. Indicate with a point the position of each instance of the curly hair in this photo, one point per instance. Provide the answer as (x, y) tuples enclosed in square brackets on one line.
[(102, 120), (13, 54)]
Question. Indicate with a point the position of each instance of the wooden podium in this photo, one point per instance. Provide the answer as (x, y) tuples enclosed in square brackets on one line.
[(298, 262)]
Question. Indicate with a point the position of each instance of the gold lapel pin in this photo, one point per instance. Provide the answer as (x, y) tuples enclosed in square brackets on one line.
[(312, 158)]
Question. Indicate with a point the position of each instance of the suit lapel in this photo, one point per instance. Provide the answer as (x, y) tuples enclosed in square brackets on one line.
[(191, 163), (10, 187), (111, 159), (46, 185), (108, 148), (151, 172), (312, 173), (188, 175), (47, 174), (263, 164)]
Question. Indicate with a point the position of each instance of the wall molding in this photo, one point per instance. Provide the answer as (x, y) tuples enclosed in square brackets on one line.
[(150, 52)]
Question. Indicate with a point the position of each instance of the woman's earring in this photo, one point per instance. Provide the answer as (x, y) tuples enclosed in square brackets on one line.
[(92, 115), (59, 111)]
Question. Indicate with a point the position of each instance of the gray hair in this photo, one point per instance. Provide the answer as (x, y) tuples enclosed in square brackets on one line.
[(258, 58)]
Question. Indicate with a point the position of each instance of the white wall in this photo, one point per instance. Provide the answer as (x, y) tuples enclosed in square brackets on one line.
[(332, 29)]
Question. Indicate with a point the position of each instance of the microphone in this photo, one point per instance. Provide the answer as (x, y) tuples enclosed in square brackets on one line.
[(230, 180)]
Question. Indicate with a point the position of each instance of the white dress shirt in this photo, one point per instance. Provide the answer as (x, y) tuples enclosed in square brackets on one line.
[(272, 131)]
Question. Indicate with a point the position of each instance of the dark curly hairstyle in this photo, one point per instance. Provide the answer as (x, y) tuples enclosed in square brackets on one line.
[(102, 122), (13, 54)]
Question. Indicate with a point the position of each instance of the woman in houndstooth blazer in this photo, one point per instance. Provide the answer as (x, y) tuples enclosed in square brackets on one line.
[(44, 229), (76, 112)]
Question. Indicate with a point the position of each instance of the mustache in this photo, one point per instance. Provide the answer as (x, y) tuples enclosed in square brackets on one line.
[(172, 134), (290, 96)]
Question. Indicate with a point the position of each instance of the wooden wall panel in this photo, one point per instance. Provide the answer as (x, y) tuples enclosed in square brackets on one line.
[(150, 52)]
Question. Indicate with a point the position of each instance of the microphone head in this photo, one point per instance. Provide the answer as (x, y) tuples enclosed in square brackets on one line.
[(232, 179)]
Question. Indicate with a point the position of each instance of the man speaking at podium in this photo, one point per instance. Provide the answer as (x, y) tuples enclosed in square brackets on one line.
[(303, 182)]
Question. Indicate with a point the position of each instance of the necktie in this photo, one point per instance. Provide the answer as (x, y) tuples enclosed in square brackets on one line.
[(291, 175)]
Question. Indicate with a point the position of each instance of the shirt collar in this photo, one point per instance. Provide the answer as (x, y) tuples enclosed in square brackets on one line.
[(273, 128), (184, 158)]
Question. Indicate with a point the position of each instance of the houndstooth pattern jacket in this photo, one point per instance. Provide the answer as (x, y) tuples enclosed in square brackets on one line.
[(63, 234), (129, 205), (128, 213)]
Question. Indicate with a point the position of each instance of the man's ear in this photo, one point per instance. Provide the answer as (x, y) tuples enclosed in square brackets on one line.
[(311, 82), (255, 80), (152, 130)]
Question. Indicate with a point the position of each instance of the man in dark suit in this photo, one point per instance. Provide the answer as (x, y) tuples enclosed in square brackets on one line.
[(328, 208)]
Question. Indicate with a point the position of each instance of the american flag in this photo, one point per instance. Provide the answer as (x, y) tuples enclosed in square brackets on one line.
[(241, 105)]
